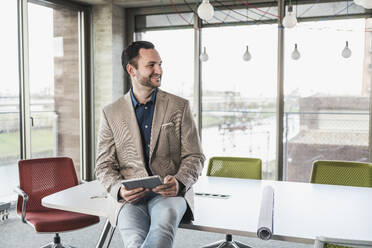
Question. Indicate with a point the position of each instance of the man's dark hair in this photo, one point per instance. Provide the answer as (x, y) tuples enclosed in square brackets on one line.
[(130, 54)]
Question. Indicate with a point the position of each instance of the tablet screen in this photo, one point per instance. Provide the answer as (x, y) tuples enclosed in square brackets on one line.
[(144, 182)]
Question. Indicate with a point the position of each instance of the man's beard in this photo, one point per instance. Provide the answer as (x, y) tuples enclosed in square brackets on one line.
[(146, 81)]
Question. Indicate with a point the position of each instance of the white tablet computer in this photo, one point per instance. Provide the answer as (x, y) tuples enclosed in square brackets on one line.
[(144, 182)]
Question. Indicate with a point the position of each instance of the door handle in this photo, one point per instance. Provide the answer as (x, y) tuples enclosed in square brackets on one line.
[(32, 121)]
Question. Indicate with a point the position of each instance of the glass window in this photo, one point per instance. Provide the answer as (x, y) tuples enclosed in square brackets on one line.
[(54, 82), (9, 101), (326, 95), (176, 49), (239, 97), (326, 102)]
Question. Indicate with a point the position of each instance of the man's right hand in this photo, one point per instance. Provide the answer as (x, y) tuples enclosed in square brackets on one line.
[(133, 195)]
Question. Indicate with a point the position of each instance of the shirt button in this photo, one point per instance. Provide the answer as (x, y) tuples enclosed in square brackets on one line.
[(146, 126), (145, 107), (148, 146)]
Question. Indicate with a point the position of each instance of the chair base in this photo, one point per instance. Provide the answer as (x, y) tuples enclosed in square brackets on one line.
[(56, 243), (228, 243), (53, 245)]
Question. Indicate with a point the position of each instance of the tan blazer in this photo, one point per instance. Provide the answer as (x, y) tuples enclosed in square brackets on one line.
[(174, 146)]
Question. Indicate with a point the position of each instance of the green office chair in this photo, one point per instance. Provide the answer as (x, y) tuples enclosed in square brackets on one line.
[(248, 168), (342, 173), (325, 242), (345, 173)]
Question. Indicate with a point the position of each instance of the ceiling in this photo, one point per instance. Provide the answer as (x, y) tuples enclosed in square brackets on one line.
[(132, 3), (143, 3)]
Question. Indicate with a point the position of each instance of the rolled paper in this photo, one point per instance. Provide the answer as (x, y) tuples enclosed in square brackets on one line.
[(266, 218)]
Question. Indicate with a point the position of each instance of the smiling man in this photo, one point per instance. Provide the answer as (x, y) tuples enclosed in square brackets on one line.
[(149, 132)]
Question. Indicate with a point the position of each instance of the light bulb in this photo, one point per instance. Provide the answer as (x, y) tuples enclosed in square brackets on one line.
[(247, 56), (367, 4), (204, 56), (205, 10), (346, 53), (295, 54), (290, 20)]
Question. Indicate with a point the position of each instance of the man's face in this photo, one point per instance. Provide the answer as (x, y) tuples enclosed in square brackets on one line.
[(149, 71)]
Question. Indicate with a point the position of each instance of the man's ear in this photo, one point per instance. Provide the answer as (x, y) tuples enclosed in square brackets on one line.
[(131, 70)]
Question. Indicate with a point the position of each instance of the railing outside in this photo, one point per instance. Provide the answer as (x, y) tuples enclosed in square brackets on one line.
[(44, 142)]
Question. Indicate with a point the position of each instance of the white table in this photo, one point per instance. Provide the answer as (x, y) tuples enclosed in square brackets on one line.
[(302, 211), (86, 198)]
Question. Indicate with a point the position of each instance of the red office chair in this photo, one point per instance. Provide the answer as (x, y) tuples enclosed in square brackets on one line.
[(39, 178)]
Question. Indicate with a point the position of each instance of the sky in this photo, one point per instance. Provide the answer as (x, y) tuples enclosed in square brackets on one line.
[(8, 47), (41, 44)]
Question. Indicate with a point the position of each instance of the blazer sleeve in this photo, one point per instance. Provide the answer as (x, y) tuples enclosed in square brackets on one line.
[(192, 158), (107, 165)]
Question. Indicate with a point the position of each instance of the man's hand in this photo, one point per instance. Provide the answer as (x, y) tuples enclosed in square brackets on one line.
[(133, 195), (169, 188)]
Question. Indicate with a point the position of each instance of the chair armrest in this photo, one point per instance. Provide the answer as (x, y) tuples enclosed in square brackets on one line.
[(24, 196)]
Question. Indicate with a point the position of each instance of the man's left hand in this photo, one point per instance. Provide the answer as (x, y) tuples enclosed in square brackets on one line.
[(169, 188)]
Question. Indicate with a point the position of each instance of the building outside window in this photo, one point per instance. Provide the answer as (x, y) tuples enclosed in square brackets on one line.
[(326, 95)]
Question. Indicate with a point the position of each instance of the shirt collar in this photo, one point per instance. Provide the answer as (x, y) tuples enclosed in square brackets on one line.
[(136, 103)]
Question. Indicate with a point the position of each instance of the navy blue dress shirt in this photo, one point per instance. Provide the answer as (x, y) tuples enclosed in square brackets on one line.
[(145, 114)]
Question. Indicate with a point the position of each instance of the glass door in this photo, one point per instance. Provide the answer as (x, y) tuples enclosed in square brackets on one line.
[(54, 79)]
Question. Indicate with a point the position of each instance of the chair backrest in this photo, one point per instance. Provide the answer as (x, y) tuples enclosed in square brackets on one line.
[(250, 168), (342, 173), (44, 176), (326, 242)]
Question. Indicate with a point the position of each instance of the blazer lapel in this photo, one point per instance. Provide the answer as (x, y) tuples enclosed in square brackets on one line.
[(131, 120), (161, 104)]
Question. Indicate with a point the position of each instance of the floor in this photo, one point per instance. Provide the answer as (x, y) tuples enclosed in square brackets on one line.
[(15, 234)]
